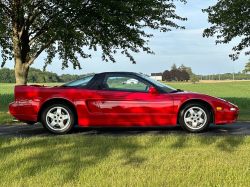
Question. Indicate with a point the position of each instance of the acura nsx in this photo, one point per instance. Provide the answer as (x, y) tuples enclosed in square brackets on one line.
[(118, 99)]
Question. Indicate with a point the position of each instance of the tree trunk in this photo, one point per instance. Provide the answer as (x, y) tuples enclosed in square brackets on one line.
[(21, 73), (20, 44), (21, 66)]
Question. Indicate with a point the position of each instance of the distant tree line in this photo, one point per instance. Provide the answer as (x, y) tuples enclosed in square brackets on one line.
[(226, 76), (37, 76), (182, 73), (175, 75)]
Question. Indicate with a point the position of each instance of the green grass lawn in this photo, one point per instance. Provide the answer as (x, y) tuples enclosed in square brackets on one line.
[(5, 117), (125, 161), (224, 90), (244, 115)]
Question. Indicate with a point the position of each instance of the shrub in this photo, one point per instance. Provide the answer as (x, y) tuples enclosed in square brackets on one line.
[(194, 79)]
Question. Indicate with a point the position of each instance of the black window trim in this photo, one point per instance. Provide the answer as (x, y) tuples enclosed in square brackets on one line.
[(96, 85), (97, 81), (161, 91)]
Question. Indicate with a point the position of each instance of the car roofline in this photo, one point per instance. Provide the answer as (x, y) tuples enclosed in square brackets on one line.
[(115, 72)]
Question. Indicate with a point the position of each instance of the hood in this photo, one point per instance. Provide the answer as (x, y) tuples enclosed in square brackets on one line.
[(187, 95)]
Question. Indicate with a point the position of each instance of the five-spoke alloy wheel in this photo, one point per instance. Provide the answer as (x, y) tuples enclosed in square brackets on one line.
[(194, 117), (58, 118)]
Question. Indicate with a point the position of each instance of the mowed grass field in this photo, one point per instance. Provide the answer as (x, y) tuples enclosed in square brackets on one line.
[(125, 161)]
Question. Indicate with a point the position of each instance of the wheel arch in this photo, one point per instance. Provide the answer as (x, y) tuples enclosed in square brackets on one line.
[(203, 102), (57, 101)]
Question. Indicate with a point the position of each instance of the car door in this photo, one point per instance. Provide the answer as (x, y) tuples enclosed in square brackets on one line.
[(125, 98)]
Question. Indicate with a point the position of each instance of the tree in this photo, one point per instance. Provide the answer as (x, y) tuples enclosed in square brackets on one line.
[(178, 75), (194, 79), (166, 76), (187, 69), (173, 75), (146, 75), (174, 67), (247, 67), (184, 75), (182, 67), (30, 27), (230, 19)]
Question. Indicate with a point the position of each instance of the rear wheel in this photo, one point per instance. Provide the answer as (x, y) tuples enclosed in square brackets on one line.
[(58, 118), (194, 117)]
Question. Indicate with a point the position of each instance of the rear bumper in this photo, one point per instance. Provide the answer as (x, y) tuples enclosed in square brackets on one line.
[(13, 108), (21, 115)]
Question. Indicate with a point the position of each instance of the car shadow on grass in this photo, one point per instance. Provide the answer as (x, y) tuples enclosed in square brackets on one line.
[(66, 157)]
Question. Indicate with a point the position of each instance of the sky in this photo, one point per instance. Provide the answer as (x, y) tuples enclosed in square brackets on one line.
[(186, 47)]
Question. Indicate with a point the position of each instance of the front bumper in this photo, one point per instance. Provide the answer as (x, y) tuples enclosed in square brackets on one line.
[(226, 116)]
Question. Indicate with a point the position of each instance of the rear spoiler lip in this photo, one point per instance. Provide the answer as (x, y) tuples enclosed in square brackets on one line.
[(36, 85), (32, 85)]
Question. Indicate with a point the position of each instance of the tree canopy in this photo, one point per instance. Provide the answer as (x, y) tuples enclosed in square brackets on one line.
[(247, 67), (175, 75), (30, 27), (230, 19), (166, 76), (187, 69), (194, 79), (174, 67)]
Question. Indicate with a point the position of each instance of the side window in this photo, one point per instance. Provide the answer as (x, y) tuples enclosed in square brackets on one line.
[(80, 82), (125, 83)]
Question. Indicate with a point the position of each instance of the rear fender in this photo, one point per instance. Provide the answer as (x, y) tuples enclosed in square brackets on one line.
[(57, 101)]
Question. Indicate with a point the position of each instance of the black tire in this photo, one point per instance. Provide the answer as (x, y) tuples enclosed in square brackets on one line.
[(194, 117), (58, 118)]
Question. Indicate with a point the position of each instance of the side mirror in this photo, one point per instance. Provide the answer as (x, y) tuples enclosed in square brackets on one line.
[(153, 91)]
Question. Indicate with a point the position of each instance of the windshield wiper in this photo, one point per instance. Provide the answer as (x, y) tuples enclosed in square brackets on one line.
[(177, 90)]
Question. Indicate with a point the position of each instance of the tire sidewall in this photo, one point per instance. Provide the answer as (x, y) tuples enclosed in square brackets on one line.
[(183, 111), (70, 125)]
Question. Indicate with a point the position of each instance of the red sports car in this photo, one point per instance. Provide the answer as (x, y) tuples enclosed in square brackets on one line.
[(118, 99)]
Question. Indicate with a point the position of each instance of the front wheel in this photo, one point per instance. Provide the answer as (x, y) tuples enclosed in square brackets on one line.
[(194, 117), (58, 118)]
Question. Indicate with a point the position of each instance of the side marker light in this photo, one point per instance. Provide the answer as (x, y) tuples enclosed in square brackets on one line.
[(218, 108)]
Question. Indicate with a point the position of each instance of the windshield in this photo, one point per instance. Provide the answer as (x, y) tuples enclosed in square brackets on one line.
[(161, 85), (79, 82)]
